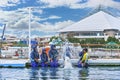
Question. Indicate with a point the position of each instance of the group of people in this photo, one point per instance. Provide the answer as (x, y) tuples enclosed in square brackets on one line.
[(52, 57), (45, 58)]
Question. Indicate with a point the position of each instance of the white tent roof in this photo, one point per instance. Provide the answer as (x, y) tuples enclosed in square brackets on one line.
[(96, 22)]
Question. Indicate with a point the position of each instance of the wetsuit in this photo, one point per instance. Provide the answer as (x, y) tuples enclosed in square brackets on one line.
[(44, 58), (34, 57), (53, 54)]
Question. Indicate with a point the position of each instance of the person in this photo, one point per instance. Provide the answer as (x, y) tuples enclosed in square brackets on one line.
[(16, 53), (81, 56), (47, 48), (44, 58), (84, 60), (34, 56), (53, 55)]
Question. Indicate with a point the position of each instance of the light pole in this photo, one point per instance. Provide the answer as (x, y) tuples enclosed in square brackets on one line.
[(29, 43), (2, 37)]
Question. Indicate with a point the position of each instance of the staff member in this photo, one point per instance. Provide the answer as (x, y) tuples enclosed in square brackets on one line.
[(53, 55), (84, 60), (34, 56)]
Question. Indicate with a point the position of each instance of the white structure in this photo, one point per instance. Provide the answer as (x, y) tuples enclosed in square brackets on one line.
[(98, 25), (9, 38), (45, 38)]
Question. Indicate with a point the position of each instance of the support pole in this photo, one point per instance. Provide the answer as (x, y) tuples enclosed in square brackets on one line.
[(2, 37), (29, 32)]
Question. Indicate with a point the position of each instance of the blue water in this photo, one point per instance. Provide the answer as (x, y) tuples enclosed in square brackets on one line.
[(92, 73)]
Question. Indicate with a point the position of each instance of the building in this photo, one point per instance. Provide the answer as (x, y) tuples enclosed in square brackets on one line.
[(98, 25), (10, 39)]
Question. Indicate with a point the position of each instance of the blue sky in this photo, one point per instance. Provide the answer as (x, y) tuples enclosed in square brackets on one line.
[(49, 16)]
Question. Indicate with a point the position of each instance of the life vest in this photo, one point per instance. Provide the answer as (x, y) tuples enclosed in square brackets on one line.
[(85, 58)]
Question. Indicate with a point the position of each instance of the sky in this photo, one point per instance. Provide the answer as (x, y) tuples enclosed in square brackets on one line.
[(49, 16)]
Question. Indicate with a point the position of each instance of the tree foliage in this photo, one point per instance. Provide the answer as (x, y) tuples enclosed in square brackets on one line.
[(73, 40), (112, 39), (54, 37), (87, 41)]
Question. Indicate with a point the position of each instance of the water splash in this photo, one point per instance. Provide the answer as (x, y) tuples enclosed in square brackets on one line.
[(67, 63), (67, 55)]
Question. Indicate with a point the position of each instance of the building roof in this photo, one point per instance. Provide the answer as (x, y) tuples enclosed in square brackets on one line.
[(96, 22)]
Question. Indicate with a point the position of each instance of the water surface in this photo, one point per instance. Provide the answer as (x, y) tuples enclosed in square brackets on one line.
[(92, 73)]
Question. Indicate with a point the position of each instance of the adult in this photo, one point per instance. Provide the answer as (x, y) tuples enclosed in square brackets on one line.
[(84, 60), (53, 55), (34, 56), (80, 58), (44, 58)]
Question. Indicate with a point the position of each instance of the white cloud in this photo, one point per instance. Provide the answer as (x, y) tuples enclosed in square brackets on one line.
[(37, 10), (53, 27), (119, 18), (11, 17), (18, 19), (4, 3), (56, 3), (34, 36), (76, 3), (105, 3), (11, 34), (8, 16), (23, 1), (54, 17)]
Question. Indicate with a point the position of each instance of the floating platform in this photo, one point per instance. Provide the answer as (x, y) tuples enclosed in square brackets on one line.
[(10, 63), (13, 63)]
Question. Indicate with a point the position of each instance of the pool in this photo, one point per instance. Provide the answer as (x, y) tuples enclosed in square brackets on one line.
[(92, 73)]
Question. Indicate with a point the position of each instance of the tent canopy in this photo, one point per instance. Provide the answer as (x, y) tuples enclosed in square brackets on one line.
[(112, 44), (96, 22)]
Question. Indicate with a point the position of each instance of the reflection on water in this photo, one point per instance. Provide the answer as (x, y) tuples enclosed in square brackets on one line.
[(67, 74), (43, 73), (53, 73), (92, 73), (83, 73), (34, 73)]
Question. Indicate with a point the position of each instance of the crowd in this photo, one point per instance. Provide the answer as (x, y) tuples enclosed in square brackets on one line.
[(50, 56)]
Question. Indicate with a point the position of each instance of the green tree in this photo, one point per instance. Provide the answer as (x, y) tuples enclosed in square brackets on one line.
[(73, 40), (112, 39), (54, 37)]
